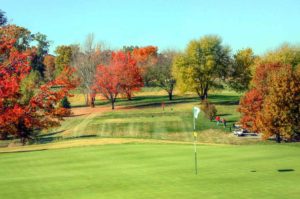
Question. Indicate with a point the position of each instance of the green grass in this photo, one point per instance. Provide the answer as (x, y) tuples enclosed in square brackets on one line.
[(144, 118), (152, 171)]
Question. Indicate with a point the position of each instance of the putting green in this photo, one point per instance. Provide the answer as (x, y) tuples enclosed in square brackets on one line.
[(152, 171)]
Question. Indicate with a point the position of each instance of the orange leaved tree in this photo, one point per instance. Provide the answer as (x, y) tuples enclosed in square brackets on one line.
[(120, 76), (146, 57), (272, 106), (280, 114), (24, 118)]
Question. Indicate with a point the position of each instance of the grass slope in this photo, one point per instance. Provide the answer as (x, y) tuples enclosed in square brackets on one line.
[(143, 117), (152, 171)]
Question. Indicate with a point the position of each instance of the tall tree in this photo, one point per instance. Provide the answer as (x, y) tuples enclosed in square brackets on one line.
[(22, 116), (161, 73), (121, 76), (129, 73), (242, 68), (251, 103), (271, 107), (204, 65), (41, 50), (280, 114), (85, 60)]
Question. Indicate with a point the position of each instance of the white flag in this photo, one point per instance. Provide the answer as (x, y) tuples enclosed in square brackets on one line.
[(196, 111)]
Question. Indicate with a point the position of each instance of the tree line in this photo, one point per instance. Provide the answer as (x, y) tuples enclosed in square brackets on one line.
[(35, 85)]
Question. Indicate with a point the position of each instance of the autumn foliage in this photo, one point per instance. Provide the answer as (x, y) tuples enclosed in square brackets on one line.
[(272, 106), (23, 119), (146, 57), (121, 76)]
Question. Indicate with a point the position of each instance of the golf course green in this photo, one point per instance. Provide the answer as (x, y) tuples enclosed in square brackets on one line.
[(152, 171)]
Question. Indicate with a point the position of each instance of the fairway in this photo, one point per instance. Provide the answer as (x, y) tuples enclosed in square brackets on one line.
[(152, 171), (143, 117), (149, 100)]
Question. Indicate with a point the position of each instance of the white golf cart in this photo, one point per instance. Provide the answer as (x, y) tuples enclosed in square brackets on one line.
[(239, 131)]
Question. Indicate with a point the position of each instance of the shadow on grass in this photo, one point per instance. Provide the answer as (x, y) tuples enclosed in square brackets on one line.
[(285, 170), (76, 115), (227, 103), (24, 151), (97, 103), (81, 136), (224, 99), (225, 114), (46, 138), (50, 134), (156, 101)]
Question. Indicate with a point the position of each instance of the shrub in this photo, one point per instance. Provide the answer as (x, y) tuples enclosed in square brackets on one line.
[(65, 103), (209, 110)]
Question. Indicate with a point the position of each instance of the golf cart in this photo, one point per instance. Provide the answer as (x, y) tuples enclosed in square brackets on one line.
[(239, 131)]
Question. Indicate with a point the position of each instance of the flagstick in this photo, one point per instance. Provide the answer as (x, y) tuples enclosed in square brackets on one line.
[(195, 137), (196, 169)]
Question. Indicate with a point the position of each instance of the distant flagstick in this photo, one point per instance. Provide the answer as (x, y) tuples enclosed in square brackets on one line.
[(196, 112)]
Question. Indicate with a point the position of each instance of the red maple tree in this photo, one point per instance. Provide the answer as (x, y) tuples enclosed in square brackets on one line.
[(121, 76), (250, 106), (23, 119)]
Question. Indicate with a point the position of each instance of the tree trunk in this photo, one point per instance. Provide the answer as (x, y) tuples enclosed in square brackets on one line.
[(278, 138), (205, 92), (199, 94), (129, 96), (203, 97), (87, 101), (112, 104), (170, 95), (92, 102), (170, 92)]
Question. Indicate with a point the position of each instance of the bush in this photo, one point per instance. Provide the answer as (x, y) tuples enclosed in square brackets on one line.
[(65, 103), (209, 110)]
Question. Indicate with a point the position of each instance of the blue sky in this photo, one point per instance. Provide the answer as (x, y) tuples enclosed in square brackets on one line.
[(259, 24)]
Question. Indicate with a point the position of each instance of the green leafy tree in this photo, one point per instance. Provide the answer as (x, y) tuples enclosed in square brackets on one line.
[(241, 73), (40, 51), (204, 65), (63, 58), (286, 54), (161, 73)]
